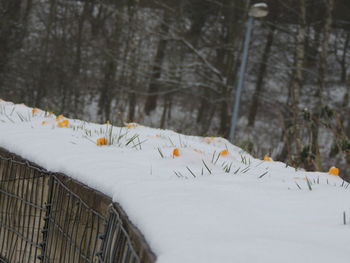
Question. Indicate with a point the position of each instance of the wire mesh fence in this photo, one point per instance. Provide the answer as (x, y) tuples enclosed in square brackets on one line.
[(71, 231), (44, 219), (131, 246), (22, 206)]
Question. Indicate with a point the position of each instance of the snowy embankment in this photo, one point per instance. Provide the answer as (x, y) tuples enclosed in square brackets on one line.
[(195, 199)]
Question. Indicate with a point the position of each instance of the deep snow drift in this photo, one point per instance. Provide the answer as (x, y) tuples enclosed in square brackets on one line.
[(195, 199)]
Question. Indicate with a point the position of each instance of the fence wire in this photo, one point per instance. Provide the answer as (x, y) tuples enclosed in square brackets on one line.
[(43, 220), (71, 231), (116, 234), (22, 206)]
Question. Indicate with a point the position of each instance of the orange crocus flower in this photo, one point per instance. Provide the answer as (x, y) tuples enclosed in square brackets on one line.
[(224, 152), (176, 152), (101, 141), (63, 124), (267, 158), (334, 171)]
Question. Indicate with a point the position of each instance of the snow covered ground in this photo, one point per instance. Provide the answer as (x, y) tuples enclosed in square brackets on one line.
[(211, 203)]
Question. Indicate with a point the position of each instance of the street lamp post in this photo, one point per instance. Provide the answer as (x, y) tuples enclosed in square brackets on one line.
[(256, 11)]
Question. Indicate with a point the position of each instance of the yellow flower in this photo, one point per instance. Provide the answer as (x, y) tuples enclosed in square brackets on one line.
[(267, 158), (44, 122), (176, 152), (224, 152), (34, 110), (63, 124), (334, 171), (101, 141)]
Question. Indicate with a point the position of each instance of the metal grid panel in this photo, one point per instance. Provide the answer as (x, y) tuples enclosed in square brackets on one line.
[(72, 227), (23, 193), (117, 245), (43, 220)]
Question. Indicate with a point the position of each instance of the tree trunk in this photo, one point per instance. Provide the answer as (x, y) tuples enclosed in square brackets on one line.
[(343, 64), (315, 125), (153, 89), (325, 49), (88, 8), (286, 154), (298, 76), (260, 79), (224, 119), (108, 83), (208, 121), (132, 106), (226, 59), (44, 77), (166, 106), (13, 26), (105, 95), (203, 106)]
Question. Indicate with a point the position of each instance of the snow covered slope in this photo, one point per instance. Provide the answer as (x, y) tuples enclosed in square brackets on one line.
[(195, 199)]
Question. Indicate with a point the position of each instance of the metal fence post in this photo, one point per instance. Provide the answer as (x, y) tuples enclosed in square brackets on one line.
[(45, 230)]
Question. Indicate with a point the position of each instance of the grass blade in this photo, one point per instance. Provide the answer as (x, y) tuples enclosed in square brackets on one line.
[(191, 172), (261, 176), (206, 166)]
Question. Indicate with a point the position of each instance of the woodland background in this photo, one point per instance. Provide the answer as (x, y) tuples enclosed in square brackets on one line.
[(173, 64)]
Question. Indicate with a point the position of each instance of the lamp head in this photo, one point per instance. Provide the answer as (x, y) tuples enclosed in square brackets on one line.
[(258, 10)]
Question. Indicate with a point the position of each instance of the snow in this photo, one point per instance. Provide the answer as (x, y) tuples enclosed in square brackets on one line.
[(231, 216)]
